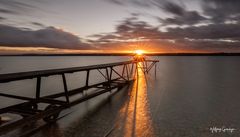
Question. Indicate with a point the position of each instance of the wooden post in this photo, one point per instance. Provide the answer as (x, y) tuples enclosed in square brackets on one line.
[(155, 70), (38, 87), (137, 72), (107, 74), (65, 87), (123, 71), (127, 72), (136, 68), (87, 78), (145, 67), (110, 77), (132, 70)]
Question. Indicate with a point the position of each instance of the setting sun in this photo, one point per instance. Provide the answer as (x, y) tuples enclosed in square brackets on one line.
[(139, 52)]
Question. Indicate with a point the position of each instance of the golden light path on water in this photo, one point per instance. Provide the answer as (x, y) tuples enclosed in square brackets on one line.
[(134, 119)]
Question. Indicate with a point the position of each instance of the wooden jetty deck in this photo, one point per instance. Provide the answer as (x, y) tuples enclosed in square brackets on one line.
[(30, 110)]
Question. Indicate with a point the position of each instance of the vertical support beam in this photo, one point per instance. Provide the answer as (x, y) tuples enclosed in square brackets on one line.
[(131, 73), (123, 71), (87, 78), (65, 87), (136, 68), (107, 74), (146, 66), (127, 72), (38, 87), (110, 77), (137, 71), (155, 70)]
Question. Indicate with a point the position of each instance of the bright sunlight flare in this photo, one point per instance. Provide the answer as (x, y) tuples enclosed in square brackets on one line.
[(139, 52)]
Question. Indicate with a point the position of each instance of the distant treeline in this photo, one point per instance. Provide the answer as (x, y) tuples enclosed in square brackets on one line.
[(131, 54)]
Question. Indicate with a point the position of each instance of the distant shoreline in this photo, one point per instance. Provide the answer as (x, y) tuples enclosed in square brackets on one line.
[(127, 54)]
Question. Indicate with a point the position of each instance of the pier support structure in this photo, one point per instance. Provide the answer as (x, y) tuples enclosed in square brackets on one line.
[(30, 110)]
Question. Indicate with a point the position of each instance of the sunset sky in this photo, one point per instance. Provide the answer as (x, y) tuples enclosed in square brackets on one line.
[(80, 26)]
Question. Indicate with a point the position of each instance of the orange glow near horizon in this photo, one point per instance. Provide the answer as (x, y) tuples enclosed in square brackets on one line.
[(44, 50)]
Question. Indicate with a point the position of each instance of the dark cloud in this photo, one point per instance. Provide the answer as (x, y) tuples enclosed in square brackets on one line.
[(209, 45), (141, 3), (218, 37), (187, 18), (2, 18), (5, 11), (118, 2), (215, 34), (181, 15), (221, 10), (16, 4), (131, 28), (213, 31), (173, 8), (49, 37), (38, 24), (138, 3), (17, 7)]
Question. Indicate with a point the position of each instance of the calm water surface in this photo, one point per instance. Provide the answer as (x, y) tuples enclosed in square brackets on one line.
[(186, 97)]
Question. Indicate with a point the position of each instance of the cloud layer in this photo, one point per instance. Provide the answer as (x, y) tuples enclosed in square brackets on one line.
[(49, 37), (206, 38), (215, 29)]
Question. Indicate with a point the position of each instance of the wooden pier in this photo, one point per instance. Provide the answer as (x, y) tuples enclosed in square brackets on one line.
[(30, 110)]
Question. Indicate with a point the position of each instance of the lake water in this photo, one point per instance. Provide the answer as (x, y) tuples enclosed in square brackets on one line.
[(188, 96)]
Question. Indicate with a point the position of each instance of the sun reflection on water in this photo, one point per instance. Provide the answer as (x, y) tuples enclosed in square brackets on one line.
[(134, 118)]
